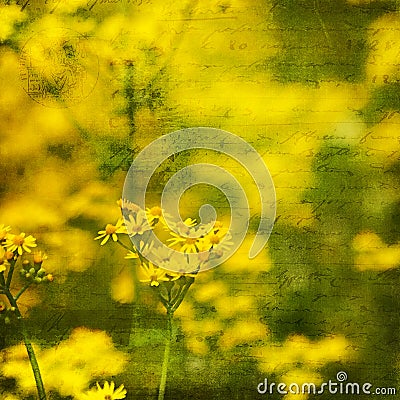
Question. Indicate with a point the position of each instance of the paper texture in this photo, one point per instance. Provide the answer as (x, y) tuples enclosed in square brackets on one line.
[(312, 86)]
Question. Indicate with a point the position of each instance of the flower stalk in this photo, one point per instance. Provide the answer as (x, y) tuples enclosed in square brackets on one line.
[(167, 349), (170, 275), (12, 249), (28, 345)]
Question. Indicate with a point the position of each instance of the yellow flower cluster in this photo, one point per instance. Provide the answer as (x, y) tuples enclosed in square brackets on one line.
[(12, 248), (137, 223), (69, 367)]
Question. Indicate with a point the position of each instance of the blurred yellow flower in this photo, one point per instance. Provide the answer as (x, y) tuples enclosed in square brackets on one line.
[(111, 231), (9, 16), (243, 332), (123, 288), (69, 367), (106, 392), (20, 243), (210, 291), (371, 253), (298, 351)]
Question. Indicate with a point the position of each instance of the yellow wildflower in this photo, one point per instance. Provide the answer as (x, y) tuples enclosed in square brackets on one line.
[(183, 228), (154, 214), (20, 243), (39, 257), (124, 204), (138, 225), (153, 275), (111, 231), (106, 392), (188, 244), (4, 231), (216, 240)]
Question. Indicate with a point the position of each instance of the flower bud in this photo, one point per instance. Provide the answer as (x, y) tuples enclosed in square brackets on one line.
[(38, 258)]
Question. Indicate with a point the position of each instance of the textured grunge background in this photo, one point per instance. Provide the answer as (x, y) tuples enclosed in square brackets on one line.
[(312, 85)]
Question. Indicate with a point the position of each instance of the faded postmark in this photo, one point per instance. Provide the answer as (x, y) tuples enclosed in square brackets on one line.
[(58, 68)]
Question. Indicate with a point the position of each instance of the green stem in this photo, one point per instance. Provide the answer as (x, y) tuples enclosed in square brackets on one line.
[(10, 274), (124, 245), (164, 371), (19, 294), (182, 294), (29, 348), (2, 281)]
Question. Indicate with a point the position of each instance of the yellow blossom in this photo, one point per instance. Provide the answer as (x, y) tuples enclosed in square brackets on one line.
[(138, 225), (188, 244), (127, 205), (154, 214), (68, 367), (106, 392), (111, 231), (153, 275), (39, 257), (20, 243)]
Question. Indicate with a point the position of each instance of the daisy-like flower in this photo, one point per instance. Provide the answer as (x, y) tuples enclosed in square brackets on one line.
[(157, 214), (20, 243), (212, 239), (223, 246), (153, 275), (4, 231), (183, 228), (187, 244), (124, 204), (111, 231), (106, 392), (154, 214), (138, 225)]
